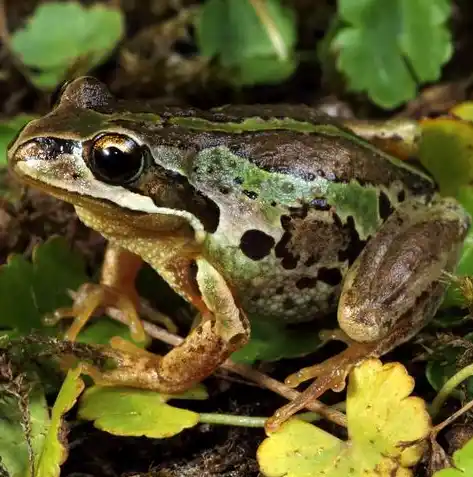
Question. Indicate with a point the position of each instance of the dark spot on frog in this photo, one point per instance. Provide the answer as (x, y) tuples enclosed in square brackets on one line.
[(306, 282), (401, 196), (238, 180), (224, 190), (288, 303), (312, 260), (299, 212), (279, 290), (331, 276), (384, 206), (355, 245), (255, 244), (251, 194), (289, 261), (273, 204)]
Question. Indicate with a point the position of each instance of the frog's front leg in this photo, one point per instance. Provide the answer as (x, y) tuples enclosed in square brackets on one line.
[(390, 292), (116, 288), (223, 329)]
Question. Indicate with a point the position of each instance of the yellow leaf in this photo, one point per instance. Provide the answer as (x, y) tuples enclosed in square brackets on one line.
[(380, 443)]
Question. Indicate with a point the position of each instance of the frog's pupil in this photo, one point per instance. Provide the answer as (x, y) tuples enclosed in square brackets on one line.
[(116, 166)]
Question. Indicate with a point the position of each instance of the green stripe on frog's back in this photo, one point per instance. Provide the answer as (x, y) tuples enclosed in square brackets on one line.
[(233, 181), (258, 124)]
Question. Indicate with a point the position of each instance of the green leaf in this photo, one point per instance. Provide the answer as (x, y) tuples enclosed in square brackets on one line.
[(62, 37), (462, 461), (253, 40), (14, 448), (8, 130), (444, 363), (271, 342), (133, 412), (54, 452), (380, 445), (29, 290), (386, 48)]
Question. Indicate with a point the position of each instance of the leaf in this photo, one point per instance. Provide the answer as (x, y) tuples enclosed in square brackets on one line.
[(8, 130), (463, 462), (446, 362), (133, 412), (29, 290), (271, 342), (54, 451), (65, 36), (254, 40), (446, 150), (380, 444), (386, 48), (13, 440)]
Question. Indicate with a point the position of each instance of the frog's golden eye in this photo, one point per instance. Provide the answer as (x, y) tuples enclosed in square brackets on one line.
[(117, 159)]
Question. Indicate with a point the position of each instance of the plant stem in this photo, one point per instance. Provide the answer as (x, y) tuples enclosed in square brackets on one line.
[(448, 388)]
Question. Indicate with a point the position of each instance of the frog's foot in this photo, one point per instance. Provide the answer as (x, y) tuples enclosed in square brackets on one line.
[(331, 374), (91, 296)]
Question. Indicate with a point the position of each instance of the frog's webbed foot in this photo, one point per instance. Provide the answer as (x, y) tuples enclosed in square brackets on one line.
[(116, 289), (89, 298), (331, 374)]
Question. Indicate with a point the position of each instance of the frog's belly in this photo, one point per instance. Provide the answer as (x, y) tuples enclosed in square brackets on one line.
[(274, 293)]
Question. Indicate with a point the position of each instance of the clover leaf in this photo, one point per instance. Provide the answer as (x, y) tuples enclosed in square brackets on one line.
[(380, 443), (387, 48), (137, 412)]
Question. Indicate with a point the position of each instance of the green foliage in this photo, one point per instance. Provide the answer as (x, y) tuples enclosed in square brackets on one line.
[(386, 48), (66, 38), (253, 40), (380, 444), (271, 342), (28, 290), (19, 446), (8, 130), (54, 451), (462, 463), (131, 412), (446, 362)]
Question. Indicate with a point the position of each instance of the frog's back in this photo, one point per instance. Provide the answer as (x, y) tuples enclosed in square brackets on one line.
[(297, 199)]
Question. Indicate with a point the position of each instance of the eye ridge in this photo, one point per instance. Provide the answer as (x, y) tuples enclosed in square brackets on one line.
[(117, 159)]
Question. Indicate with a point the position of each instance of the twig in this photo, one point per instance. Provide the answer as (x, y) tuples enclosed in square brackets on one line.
[(245, 371), (452, 418)]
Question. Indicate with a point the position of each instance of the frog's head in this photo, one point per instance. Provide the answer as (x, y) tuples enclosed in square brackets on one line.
[(98, 154)]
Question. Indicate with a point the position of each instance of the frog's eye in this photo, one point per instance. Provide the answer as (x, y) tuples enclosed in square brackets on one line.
[(117, 159)]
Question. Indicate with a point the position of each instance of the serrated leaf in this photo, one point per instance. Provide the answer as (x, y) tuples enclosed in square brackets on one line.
[(462, 461), (134, 412), (386, 48), (271, 342), (253, 39), (61, 36), (8, 130), (54, 451), (13, 440), (381, 445), (29, 290)]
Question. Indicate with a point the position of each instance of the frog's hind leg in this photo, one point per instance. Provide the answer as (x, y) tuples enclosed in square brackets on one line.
[(389, 293)]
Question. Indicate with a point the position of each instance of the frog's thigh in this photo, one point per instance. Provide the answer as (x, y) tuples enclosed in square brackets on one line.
[(395, 280), (223, 329)]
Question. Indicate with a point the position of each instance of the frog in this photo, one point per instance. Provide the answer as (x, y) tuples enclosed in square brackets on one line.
[(270, 212)]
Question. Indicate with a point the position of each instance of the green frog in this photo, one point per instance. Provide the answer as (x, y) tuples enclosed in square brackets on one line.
[(274, 212)]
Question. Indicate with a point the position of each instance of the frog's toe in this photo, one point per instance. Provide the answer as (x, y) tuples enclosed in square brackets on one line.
[(91, 296), (331, 374)]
